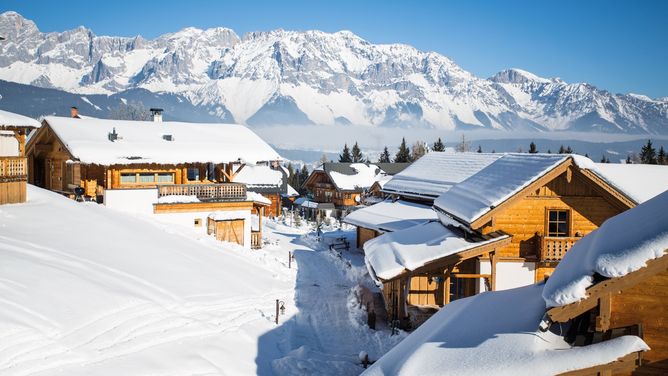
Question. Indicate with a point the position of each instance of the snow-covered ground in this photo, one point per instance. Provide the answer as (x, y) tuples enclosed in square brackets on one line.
[(88, 290)]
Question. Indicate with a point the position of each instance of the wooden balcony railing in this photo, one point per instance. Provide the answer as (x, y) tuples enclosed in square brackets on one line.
[(205, 192), (256, 239), (13, 168), (554, 248)]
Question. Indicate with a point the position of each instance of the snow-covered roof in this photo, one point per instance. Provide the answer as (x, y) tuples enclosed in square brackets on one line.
[(495, 333), (224, 215), (391, 216), (640, 182), (436, 172), (390, 254), (290, 192), (362, 176), (259, 175), (621, 245), (258, 198), (500, 180), (177, 199), (10, 119), (143, 142)]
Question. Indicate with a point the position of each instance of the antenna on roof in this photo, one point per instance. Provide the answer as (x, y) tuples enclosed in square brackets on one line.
[(157, 114), (113, 136)]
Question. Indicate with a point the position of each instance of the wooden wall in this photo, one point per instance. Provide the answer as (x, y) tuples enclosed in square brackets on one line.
[(527, 217), (12, 192), (646, 303), (364, 235), (273, 210), (230, 231)]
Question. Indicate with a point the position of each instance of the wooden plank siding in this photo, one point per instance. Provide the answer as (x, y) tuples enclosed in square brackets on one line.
[(364, 235), (13, 192), (646, 303), (525, 218)]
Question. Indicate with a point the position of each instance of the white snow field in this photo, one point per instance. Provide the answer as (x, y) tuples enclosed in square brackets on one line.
[(86, 290)]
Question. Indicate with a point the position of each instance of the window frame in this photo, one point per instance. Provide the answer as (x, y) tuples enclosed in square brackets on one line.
[(569, 223)]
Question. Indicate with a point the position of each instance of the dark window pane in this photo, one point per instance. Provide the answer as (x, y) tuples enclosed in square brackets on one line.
[(553, 228), (553, 216), (563, 228), (563, 216)]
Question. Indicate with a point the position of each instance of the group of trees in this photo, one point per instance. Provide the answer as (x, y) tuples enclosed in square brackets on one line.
[(649, 155), (404, 153), (297, 177)]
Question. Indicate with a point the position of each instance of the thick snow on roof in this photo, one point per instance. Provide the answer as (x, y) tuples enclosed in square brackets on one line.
[(390, 254), (623, 244), (391, 216), (495, 333), (142, 142), (290, 192), (640, 182), (259, 175), (436, 172), (364, 176), (177, 199), (257, 197), (11, 119), (95, 291), (497, 182)]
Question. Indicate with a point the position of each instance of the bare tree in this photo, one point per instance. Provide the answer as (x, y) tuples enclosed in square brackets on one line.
[(463, 146)]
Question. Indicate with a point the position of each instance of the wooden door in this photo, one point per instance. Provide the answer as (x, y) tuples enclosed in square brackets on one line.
[(231, 231)]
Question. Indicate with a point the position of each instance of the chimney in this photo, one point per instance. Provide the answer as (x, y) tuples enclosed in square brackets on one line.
[(157, 114), (74, 112)]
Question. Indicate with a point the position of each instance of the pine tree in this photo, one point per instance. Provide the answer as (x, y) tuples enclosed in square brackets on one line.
[(587, 155), (648, 153), (603, 159), (661, 157), (628, 159), (549, 151), (562, 150), (357, 156), (292, 177), (438, 145), (404, 153), (345, 157), (532, 148), (384, 156), (569, 150), (479, 149), (303, 175)]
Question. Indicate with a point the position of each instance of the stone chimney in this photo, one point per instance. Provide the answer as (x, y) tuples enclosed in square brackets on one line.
[(157, 114), (74, 112)]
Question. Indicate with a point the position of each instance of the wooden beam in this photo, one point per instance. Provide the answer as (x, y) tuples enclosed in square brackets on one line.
[(493, 261), (446, 281), (468, 275), (614, 196), (608, 287), (604, 313), (623, 365)]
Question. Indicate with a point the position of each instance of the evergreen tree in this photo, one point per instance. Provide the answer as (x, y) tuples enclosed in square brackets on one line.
[(562, 150), (345, 157), (303, 175), (569, 150), (384, 156), (661, 157), (549, 151), (438, 145), (603, 159), (532, 148), (404, 153), (479, 149), (292, 177), (357, 155), (587, 155), (648, 153), (628, 159)]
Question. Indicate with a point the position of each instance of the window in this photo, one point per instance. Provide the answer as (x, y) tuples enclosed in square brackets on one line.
[(146, 178), (193, 174), (198, 222), (557, 223), (129, 178), (165, 178)]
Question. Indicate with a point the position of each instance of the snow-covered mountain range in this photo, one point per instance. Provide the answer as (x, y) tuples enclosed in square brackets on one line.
[(312, 77)]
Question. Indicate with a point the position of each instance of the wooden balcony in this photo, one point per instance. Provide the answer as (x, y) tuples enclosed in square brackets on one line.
[(553, 249), (13, 169), (256, 239), (206, 192)]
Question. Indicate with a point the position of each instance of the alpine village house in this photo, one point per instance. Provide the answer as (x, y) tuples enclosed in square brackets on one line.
[(183, 172), (13, 162), (335, 189), (505, 223)]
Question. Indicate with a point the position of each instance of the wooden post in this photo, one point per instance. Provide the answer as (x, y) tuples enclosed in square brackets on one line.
[(446, 289), (492, 260), (276, 311), (289, 259), (604, 313)]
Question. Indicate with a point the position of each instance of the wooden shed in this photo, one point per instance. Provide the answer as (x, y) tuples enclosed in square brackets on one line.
[(13, 162)]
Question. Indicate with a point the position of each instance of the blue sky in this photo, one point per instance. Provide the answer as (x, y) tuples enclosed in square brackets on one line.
[(621, 46)]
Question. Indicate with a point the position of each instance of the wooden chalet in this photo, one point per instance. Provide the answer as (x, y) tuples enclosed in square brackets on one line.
[(271, 181), (13, 162), (179, 171), (412, 192), (343, 184), (543, 203)]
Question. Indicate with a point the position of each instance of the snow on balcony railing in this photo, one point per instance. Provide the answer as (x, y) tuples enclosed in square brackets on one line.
[(206, 192), (554, 248)]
